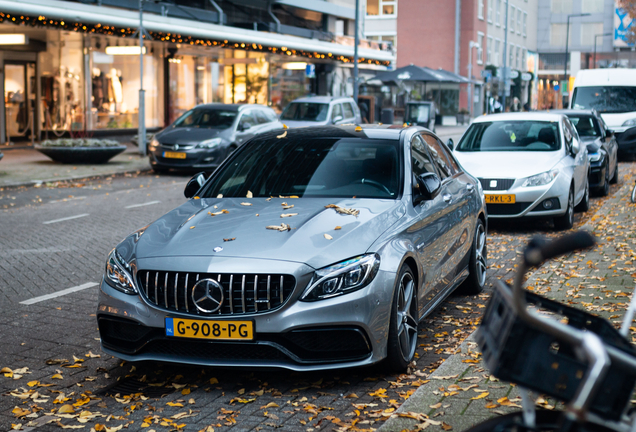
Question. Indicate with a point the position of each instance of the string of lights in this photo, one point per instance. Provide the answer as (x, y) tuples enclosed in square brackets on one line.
[(109, 30)]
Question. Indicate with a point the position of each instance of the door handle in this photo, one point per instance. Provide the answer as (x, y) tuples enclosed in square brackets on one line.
[(470, 187), (447, 198)]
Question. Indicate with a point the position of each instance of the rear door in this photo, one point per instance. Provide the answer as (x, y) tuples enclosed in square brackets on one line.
[(579, 161)]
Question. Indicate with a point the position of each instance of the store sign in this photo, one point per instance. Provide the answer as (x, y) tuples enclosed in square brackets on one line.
[(310, 71), (623, 24), (514, 74), (526, 76)]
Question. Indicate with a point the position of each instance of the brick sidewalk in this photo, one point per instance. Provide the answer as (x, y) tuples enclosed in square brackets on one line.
[(461, 392)]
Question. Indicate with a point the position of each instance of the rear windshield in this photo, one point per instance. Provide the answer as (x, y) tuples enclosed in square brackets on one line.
[(311, 167), (584, 125), (518, 135), (305, 111), (418, 114), (605, 99), (206, 118)]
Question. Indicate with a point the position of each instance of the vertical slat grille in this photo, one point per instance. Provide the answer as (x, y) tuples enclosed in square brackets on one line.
[(489, 184), (242, 293)]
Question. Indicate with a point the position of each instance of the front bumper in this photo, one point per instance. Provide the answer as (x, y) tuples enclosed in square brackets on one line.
[(195, 158), (626, 140), (345, 331), (529, 200), (597, 174)]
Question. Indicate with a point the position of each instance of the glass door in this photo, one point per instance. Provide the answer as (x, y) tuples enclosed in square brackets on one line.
[(19, 99)]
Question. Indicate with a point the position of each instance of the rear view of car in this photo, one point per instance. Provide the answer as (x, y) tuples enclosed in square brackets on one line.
[(320, 110)]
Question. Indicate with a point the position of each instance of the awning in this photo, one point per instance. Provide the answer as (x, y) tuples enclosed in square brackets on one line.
[(420, 74), (92, 19)]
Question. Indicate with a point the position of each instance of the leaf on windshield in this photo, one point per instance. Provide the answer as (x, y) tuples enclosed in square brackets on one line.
[(283, 135), (284, 215), (338, 227), (328, 237), (290, 196), (192, 227), (230, 239), (246, 204), (269, 199), (219, 196), (286, 206), (282, 227), (249, 195), (218, 213), (342, 210)]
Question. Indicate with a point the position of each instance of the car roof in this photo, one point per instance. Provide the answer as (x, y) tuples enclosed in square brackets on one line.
[(322, 99), (372, 131), (230, 107), (516, 116), (568, 112)]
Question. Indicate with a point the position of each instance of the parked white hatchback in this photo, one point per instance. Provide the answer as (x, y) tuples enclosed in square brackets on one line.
[(529, 165)]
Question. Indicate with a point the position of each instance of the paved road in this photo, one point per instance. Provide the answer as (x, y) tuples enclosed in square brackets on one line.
[(61, 242)]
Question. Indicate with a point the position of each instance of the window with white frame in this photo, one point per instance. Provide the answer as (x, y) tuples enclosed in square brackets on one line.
[(489, 50), (557, 34), (561, 6), (525, 23), (519, 14), (524, 59), (511, 55), (490, 10), (518, 58), (480, 9), (386, 8), (498, 13), (497, 52), (592, 6), (512, 19), (480, 48), (588, 32)]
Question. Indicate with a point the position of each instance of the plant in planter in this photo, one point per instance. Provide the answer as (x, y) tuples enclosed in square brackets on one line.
[(81, 150)]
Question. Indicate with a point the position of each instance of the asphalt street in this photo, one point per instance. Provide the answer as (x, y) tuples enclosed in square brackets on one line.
[(54, 241)]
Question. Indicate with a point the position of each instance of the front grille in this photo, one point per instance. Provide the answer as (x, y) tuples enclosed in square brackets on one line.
[(507, 209), (502, 184), (206, 351), (242, 293)]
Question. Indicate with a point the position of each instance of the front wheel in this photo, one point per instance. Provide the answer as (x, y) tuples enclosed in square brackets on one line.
[(403, 323), (604, 190), (477, 264), (614, 179), (567, 220), (584, 205), (634, 194)]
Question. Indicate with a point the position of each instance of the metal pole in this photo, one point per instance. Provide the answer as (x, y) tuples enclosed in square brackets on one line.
[(596, 36), (505, 61), (458, 13), (355, 54), (567, 40), (141, 120)]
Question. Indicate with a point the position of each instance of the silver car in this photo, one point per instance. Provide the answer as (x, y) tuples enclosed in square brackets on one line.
[(529, 164), (321, 110), (310, 248)]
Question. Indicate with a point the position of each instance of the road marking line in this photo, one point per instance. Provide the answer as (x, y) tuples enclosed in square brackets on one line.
[(59, 293), (141, 205), (65, 219), (67, 199)]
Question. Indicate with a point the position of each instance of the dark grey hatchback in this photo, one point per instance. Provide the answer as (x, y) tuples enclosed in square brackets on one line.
[(204, 136)]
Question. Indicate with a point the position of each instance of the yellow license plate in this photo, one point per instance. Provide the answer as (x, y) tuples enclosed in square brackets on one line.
[(174, 155), (500, 199), (210, 329)]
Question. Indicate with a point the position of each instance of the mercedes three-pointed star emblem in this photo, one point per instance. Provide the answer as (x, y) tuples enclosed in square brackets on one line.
[(207, 295)]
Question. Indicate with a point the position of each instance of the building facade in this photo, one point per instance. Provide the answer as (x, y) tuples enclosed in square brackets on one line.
[(76, 65)]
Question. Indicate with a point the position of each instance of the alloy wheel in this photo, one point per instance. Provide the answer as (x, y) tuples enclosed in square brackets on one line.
[(480, 257), (406, 321)]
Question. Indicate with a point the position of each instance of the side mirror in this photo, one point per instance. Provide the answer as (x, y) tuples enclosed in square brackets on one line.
[(428, 185), (450, 144), (337, 119), (244, 126), (194, 184), (575, 147)]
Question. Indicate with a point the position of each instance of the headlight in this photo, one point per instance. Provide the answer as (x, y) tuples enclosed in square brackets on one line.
[(209, 143), (153, 144), (595, 157), (118, 274), (541, 179), (630, 122), (342, 278)]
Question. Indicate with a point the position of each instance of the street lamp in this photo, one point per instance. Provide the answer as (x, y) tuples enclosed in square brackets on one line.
[(355, 54), (567, 39), (141, 112), (596, 36), (471, 45)]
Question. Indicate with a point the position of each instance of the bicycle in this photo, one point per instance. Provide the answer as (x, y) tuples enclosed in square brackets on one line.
[(579, 359)]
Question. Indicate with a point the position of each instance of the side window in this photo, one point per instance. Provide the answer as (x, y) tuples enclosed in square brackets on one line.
[(348, 110), (568, 134), (271, 115), (438, 156), (261, 117), (336, 112), (420, 159), (248, 117)]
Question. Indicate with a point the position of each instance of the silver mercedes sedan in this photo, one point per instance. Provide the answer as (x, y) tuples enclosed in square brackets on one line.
[(310, 248)]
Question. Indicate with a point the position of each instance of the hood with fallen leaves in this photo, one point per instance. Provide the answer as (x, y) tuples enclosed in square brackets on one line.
[(199, 226)]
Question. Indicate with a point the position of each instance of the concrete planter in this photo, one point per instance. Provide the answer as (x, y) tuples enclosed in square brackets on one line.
[(81, 155)]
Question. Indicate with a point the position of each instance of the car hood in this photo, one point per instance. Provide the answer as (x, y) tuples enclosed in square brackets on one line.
[(616, 120), (296, 123), (507, 164), (190, 230), (187, 135)]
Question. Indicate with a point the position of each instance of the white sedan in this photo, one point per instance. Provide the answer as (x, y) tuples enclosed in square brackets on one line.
[(529, 165)]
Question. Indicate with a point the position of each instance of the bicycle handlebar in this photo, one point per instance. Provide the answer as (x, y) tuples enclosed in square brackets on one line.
[(539, 250)]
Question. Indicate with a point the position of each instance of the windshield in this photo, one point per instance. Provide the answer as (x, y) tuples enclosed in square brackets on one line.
[(518, 135), (606, 99), (417, 114), (305, 111), (206, 118), (584, 126), (311, 167)]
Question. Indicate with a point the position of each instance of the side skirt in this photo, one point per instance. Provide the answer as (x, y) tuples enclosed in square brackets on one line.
[(461, 277)]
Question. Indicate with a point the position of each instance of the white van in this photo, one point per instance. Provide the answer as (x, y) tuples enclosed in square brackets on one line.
[(611, 92)]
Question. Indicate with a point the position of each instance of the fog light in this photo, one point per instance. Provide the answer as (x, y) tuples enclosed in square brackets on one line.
[(547, 204)]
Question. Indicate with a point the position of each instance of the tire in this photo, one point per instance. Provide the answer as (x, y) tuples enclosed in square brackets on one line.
[(614, 179), (567, 220), (477, 264), (403, 323), (545, 421), (604, 190), (584, 205), (159, 170), (633, 197)]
